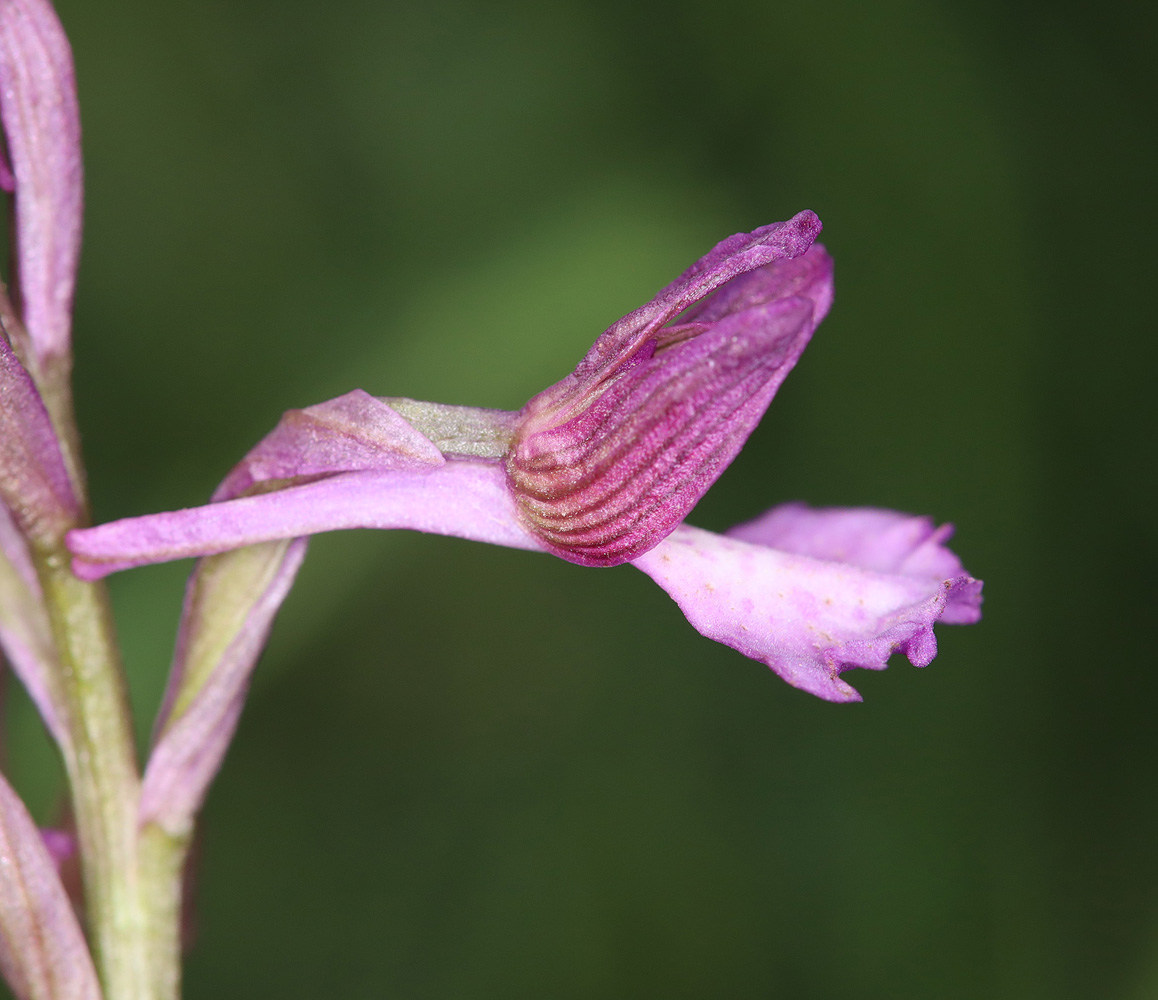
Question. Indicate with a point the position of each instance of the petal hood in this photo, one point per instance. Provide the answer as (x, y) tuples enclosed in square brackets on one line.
[(608, 461)]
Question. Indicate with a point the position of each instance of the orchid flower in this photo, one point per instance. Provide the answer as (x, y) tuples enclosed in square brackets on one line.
[(602, 468)]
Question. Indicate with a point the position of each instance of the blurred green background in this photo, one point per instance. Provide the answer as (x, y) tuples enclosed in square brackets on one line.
[(466, 772)]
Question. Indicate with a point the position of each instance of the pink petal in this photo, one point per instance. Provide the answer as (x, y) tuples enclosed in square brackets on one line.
[(43, 953), (804, 275), (604, 468), (807, 618), (353, 433), (734, 256), (609, 483), (230, 605), (882, 540), (462, 498), (41, 121), (233, 597)]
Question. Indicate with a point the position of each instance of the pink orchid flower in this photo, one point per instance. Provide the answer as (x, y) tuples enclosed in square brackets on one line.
[(603, 467)]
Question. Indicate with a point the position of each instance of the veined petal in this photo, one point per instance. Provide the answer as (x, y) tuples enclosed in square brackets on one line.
[(25, 633), (607, 485), (603, 478), (38, 108), (806, 618), (462, 498), (806, 275), (42, 951), (230, 605), (728, 259), (34, 482)]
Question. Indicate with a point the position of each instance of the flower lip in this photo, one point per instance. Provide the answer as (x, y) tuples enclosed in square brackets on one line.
[(815, 592), (607, 462)]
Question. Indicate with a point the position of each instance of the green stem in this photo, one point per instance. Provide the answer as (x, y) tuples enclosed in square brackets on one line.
[(162, 871), (105, 784)]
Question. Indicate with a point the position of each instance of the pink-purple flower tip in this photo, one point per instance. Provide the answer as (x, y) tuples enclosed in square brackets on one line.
[(41, 119)]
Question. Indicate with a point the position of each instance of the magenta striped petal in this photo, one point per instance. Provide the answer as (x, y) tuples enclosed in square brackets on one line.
[(728, 259), (602, 478)]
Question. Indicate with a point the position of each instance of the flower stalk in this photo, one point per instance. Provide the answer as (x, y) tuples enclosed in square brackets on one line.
[(162, 859), (102, 775)]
